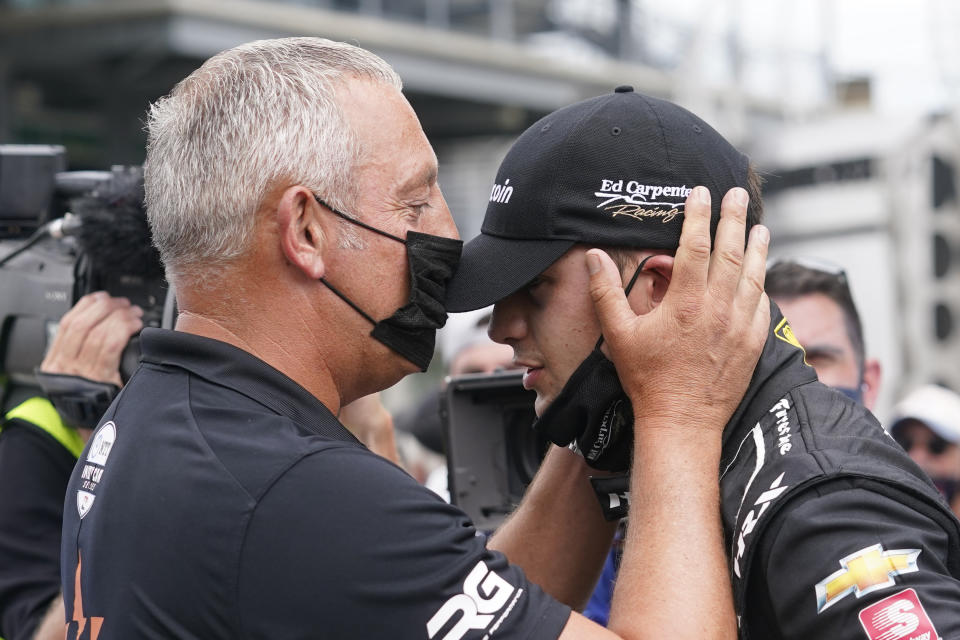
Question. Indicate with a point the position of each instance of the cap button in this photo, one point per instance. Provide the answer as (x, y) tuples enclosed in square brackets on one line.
[(624, 88)]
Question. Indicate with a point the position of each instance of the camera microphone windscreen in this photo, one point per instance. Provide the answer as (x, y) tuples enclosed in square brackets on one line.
[(113, 230)]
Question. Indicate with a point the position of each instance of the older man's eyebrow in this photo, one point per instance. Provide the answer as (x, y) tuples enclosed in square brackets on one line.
[(420, 179)]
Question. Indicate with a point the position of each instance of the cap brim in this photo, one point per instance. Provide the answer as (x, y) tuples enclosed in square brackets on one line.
[(491, 268), (934, 425)]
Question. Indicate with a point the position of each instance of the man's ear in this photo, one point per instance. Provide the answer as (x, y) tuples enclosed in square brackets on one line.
[(301, 233), (659, 269), (872, 374)]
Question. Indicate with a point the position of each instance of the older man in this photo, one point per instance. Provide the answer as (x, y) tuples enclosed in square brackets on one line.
[(294, 199)]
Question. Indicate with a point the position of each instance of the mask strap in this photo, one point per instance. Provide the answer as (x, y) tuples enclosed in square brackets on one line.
[(348, 301), (358, 223), (626, 291)]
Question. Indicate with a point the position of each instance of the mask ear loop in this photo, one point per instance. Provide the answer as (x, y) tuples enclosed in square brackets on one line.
[(626, 291), (365, 226), (358, 222), (348, 301)]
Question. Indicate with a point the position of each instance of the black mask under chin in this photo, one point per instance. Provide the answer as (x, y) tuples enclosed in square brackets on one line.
[(412, 329), (855, 394), (592, 410)]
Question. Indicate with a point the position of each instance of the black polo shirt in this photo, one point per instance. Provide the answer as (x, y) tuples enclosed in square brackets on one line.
[(219, 499)]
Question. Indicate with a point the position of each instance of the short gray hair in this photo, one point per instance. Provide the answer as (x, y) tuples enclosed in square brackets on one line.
[(250, 116)]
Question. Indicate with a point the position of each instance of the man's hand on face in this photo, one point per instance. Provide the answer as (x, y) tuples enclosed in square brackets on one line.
[(91, 338), (688, 361)]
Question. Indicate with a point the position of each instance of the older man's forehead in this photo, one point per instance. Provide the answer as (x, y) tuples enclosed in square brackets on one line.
[(390, 135)]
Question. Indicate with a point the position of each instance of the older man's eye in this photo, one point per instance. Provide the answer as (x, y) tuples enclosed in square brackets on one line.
[(419, 208)]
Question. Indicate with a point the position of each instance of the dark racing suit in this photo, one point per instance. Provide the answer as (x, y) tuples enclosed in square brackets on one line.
[(833, 532)]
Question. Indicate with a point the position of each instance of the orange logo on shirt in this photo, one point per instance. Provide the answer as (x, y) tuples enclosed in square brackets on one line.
[(78, 618)]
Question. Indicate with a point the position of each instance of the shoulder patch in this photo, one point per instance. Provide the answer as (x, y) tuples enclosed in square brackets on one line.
[(898, 617), (103, 441), (84, 502), (785, 333), (863, 572)]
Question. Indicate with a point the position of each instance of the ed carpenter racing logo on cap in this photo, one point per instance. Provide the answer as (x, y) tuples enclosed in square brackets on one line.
[(639, 201)]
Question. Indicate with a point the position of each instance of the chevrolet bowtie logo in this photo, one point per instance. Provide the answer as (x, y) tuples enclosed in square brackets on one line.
[(863, 572)]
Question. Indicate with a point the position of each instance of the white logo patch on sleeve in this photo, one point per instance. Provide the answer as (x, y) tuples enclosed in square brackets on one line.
[(484, 594), (93, 467), (84, 502), (103, 441)]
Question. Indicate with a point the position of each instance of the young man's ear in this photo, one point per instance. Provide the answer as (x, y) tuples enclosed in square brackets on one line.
[(301, 232), (659, 271), (872, 374)]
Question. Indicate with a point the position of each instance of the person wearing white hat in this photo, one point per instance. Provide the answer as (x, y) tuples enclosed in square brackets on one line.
[(926, 423)]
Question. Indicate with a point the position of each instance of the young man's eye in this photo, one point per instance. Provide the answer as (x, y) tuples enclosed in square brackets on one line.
[(535, 283)]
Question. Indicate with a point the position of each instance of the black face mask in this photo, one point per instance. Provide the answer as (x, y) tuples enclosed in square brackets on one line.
[(593, 411), (854, 394), (412, 329)]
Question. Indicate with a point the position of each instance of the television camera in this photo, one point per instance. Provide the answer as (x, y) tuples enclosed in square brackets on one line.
[(492, 450), (64, 234)]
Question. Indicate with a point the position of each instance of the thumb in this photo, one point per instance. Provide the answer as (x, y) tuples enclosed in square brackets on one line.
[(606, 290)]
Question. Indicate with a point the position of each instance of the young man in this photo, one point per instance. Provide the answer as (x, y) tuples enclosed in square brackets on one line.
[(832, 531), (816, 298), (293, 196)]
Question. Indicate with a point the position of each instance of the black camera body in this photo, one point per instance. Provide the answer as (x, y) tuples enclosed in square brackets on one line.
[(45, 269), (492, 450), (36, 289)]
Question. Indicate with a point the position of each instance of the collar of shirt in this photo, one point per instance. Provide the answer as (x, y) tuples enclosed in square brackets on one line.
[(234, 368)]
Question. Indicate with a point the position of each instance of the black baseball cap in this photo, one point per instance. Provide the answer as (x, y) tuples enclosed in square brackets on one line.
[(612, 170)]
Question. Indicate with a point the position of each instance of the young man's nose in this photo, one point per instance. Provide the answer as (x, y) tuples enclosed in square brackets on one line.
[(506, 323)]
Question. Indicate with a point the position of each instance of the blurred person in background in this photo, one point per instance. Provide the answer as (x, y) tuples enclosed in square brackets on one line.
[(926, 423), (41, 437), (38, 450), (815, 297), (372, 424), (467, 348)]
